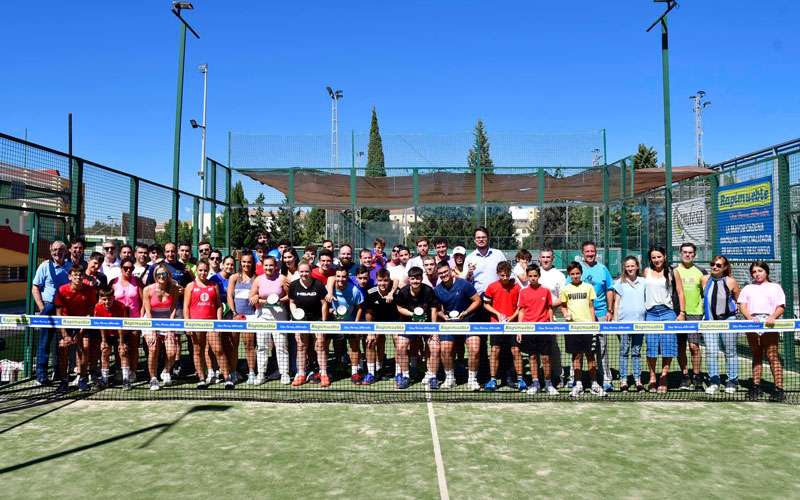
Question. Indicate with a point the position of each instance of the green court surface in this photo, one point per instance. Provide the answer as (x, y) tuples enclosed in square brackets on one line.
[(183, 449)]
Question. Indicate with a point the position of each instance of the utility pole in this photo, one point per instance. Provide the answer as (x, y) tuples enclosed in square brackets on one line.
[(335, 95), (697, 106), (203, 68)]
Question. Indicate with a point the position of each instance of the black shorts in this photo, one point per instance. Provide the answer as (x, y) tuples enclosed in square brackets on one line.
[(580, 343), (538, 344), (504, 340)]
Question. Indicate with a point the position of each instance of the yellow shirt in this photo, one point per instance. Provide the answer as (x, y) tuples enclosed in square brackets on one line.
[(578, 300)]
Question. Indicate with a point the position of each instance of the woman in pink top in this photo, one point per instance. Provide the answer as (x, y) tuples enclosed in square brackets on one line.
[(763, 300), (269, 296), (128, 291)]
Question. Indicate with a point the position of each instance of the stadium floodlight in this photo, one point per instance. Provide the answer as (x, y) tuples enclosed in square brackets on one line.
[(330, 92), (182, 5), (194, 123)]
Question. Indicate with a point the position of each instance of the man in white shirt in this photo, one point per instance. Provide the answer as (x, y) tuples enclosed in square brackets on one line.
[(110, 267), (399, 272), (483, 261), (422, 251), (553, 279)]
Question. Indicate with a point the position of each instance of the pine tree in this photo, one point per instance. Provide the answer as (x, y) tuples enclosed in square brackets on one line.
[(645, 157), (314, 227), (260, 222), (479, 153), (240, 219), (375, 168)]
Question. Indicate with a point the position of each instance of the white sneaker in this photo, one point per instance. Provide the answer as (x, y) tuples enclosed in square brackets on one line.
[(218, 378), (534, 388), (552, 391), (286, 379), (473, 385), (166, 378), (251, 378), (154, 384), (576, 390), (712, 389), (211, 378), (597, 390), (259, 379), (425, 379), (448, 383)]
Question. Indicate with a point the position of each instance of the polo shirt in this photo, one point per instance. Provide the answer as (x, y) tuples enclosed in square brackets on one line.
[(599, 277), (351, 297), (485, 267), (50, 276), (319, 276), (111, 269), (458, 297)]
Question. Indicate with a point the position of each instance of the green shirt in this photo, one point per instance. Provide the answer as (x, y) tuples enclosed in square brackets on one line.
[(692, 288)]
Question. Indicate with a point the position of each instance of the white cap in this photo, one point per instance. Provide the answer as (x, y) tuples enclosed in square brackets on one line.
[(461, 250), (298, 314)]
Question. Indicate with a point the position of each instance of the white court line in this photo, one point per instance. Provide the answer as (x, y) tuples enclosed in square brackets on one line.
[(437, 450)]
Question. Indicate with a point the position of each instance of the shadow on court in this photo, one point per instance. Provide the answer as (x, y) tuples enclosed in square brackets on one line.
[(31, 419), (161, 428)]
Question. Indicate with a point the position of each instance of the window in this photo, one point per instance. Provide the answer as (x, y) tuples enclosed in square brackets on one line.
[(13, 274)]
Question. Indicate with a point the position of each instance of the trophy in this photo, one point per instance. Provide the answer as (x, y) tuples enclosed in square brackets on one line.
[(340, 312), (419, 314), (453, 315), (298, 314)]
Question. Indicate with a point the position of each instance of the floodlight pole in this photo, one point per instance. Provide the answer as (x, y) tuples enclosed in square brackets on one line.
[(671, 4), (202, 172), (176, 150)]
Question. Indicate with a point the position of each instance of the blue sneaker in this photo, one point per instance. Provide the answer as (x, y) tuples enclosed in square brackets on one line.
[(83, 385), (403, 383), (368, 379), (521, 385), (491, 385), (434, 383), (608, 387), (398, 378), (63, 387)]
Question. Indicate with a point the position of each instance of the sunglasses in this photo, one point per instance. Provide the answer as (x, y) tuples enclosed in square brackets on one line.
[(717, 264), (213, 258), (108, 249), (127, 268), (161, 275), (204, 250)]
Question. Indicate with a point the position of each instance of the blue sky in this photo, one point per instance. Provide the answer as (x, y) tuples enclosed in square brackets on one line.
[(428, 67)]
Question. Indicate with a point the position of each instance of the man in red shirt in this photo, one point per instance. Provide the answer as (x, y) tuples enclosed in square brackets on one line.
[(73, 299), (108, 307), (324, 269), (536, 306), (500, 301)]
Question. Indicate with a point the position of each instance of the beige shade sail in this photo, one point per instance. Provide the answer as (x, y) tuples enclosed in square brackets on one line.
[(320, 189)]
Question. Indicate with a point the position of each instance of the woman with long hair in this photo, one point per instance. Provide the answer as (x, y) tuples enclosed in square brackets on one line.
[(160, 301), (629, 305), (307, 303), (201, 301), (289, 264), (720, 293), (269, 296), (239, 285), (763, 300), (128, 291), (659, 284)]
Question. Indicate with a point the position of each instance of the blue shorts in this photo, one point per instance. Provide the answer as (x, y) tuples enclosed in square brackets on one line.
[(665, 344), (447, 338)]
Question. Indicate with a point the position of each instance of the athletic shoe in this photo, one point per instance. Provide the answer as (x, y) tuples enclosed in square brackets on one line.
[(571, 382), (534, 388), (712, 389), (166, 379), (126, 385), (425, 378), (521, 385), (697, 381), (491, 385), (312, 378), (473, 385), (755, 393), (286, 379), (202, 385), (433, 382), (404, 383), (355, 378), (368, 379), (83, 385), (211, 378), (251, 379), (730, 387), (777, 395), (102, 382), (597, 390), (154, 384), (449, 383), (260, 379), (576, 391), (63, 387), (218, 378), (298, 380), (324, 381), (176, 370), (229, 385), (685, 384), (41, 382), (398, 378), (276, 375), (552, 391), (608, 387)]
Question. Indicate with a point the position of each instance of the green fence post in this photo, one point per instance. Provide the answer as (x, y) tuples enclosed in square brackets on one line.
[(606, 215), (540, 213), (133, 211), (479, 190), (785, 235), (195, 225), (623, 211), (712, 233), (30, 305), (213, 215), (290, 200), (645, 235), (76, 195), (415, 192)]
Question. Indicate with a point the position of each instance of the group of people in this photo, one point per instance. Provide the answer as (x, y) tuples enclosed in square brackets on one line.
[(277, 284)]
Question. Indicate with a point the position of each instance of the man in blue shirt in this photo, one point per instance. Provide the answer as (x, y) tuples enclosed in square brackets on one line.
[(50, 275), (349, 297), (599, 277), (457, 295)]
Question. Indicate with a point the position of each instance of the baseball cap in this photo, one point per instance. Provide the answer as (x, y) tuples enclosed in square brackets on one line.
[(461, 250)]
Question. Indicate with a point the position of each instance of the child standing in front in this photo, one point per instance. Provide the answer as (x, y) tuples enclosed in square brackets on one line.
[(536, 306), (500, 301)]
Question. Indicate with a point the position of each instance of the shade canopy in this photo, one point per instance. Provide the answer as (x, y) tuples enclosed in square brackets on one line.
[(324, 190)]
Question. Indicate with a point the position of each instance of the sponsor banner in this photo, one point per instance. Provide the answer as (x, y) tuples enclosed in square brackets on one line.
[(136, 323), (14, 319), (745, 325), (357, 327), (453, 327), (689, 222), (76, 322), (584, 327), (422, 327), (486, 327), (167, 324), (552, 327), (326, 327), (191, 324), (786, 323), (390, 327), (230, 325), (520, 327), (107, 322), (712, 325), (262, 325), (680, 327), (615, 327), (746, 220), (648, 326)]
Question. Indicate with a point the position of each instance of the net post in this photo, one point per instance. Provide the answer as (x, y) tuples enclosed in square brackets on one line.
[(415, 191), (785, 232), (30, 305), (714, 191), (133, 211), (353, 186)]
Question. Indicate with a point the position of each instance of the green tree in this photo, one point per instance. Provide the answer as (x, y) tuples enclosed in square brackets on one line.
[(479, 153), (184, 233), (314, 227), (241, 232), (645, 157), (375, 168), (284, 226), (259, 222)]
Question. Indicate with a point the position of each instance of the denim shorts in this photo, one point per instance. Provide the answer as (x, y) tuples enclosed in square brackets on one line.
[(665, 344)]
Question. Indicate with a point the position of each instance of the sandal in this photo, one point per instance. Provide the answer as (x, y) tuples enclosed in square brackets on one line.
[(651, 387), (623, 387), (639, 387), (662, 384)]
